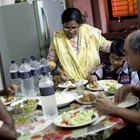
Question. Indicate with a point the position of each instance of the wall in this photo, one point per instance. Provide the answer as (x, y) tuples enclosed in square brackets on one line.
[(6, 2), (85, 8), (103, 16), (3, 41)]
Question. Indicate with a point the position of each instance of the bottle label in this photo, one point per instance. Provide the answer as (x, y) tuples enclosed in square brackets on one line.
[(14, 75), (45, 69), (36, 72), (25, 75), (47, 91)]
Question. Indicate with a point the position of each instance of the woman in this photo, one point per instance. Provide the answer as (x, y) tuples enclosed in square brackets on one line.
[(76, 48)]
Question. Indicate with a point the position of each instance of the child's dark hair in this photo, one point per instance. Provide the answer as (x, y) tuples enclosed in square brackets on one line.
[(117, 47)]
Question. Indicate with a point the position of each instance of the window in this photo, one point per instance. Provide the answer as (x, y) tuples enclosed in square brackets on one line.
[(122, 9)]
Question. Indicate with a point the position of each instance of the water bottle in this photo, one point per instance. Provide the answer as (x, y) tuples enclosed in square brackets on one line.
[(26, 79), (36, 73), (48, 100), (44, 65), (15, 78), (14, 72)]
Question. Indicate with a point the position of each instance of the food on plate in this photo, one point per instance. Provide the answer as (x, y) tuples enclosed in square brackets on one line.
[(28, 105), (87, 97), (28, 102), (109, 82), (26, 108), (78, 117), (65, 98), (68, 84), (112, 88), (95, 85), (8, 98), (62, 98), (129, 101)]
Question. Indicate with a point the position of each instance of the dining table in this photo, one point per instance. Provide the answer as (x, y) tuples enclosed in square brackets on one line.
[(101, 129)]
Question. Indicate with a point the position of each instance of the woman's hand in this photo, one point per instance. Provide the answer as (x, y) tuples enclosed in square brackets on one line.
[(64, 76), (104, 105), (122, 93), (92, 78), (9, 90)]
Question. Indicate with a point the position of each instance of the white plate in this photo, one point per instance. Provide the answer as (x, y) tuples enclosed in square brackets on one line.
[(128, 102), (69, 84), (58, 122), (102, 84), (84, 103), (64, 99), (7, 103)]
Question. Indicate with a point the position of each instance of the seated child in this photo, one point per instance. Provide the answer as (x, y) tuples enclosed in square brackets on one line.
[(118, 68)]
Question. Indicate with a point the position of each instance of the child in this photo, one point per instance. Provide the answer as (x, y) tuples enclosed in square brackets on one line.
[(118, 68)]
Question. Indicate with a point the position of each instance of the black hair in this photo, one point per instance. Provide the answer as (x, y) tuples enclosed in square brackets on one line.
[(72, 14), (117, 47)]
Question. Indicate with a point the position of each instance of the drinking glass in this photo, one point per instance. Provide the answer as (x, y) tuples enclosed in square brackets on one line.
[(80, 87), (22, 123), (18, 91)]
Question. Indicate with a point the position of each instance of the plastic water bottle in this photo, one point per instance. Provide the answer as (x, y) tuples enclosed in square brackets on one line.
[(48, 100), (15, 77), (44, 65), (26, 79), (36, 73), (14, 72)]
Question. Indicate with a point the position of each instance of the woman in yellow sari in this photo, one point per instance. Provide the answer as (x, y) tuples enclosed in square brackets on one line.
[(76, 48)]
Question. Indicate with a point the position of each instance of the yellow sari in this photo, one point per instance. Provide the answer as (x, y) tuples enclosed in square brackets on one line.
[(79, 65)]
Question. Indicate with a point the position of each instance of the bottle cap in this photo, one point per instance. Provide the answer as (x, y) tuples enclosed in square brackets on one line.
[(13, 61), (23, 60), (33, 57)]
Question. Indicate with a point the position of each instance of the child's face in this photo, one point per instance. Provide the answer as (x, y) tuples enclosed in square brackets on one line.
[(116, 61)]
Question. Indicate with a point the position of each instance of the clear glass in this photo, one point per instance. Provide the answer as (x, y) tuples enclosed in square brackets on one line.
[(80, 87), (22, 123)]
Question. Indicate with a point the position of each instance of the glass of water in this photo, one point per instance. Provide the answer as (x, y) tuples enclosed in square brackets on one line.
[(80, 87)]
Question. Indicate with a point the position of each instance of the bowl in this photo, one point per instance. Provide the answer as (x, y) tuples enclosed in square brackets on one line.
[(22, 118), (28, 108)]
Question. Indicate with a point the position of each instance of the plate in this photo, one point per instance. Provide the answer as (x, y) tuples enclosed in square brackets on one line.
[(69, 84), (58, 121), (128, 102), (64, 98), (83, 102), (7, 103), (102, 85)]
